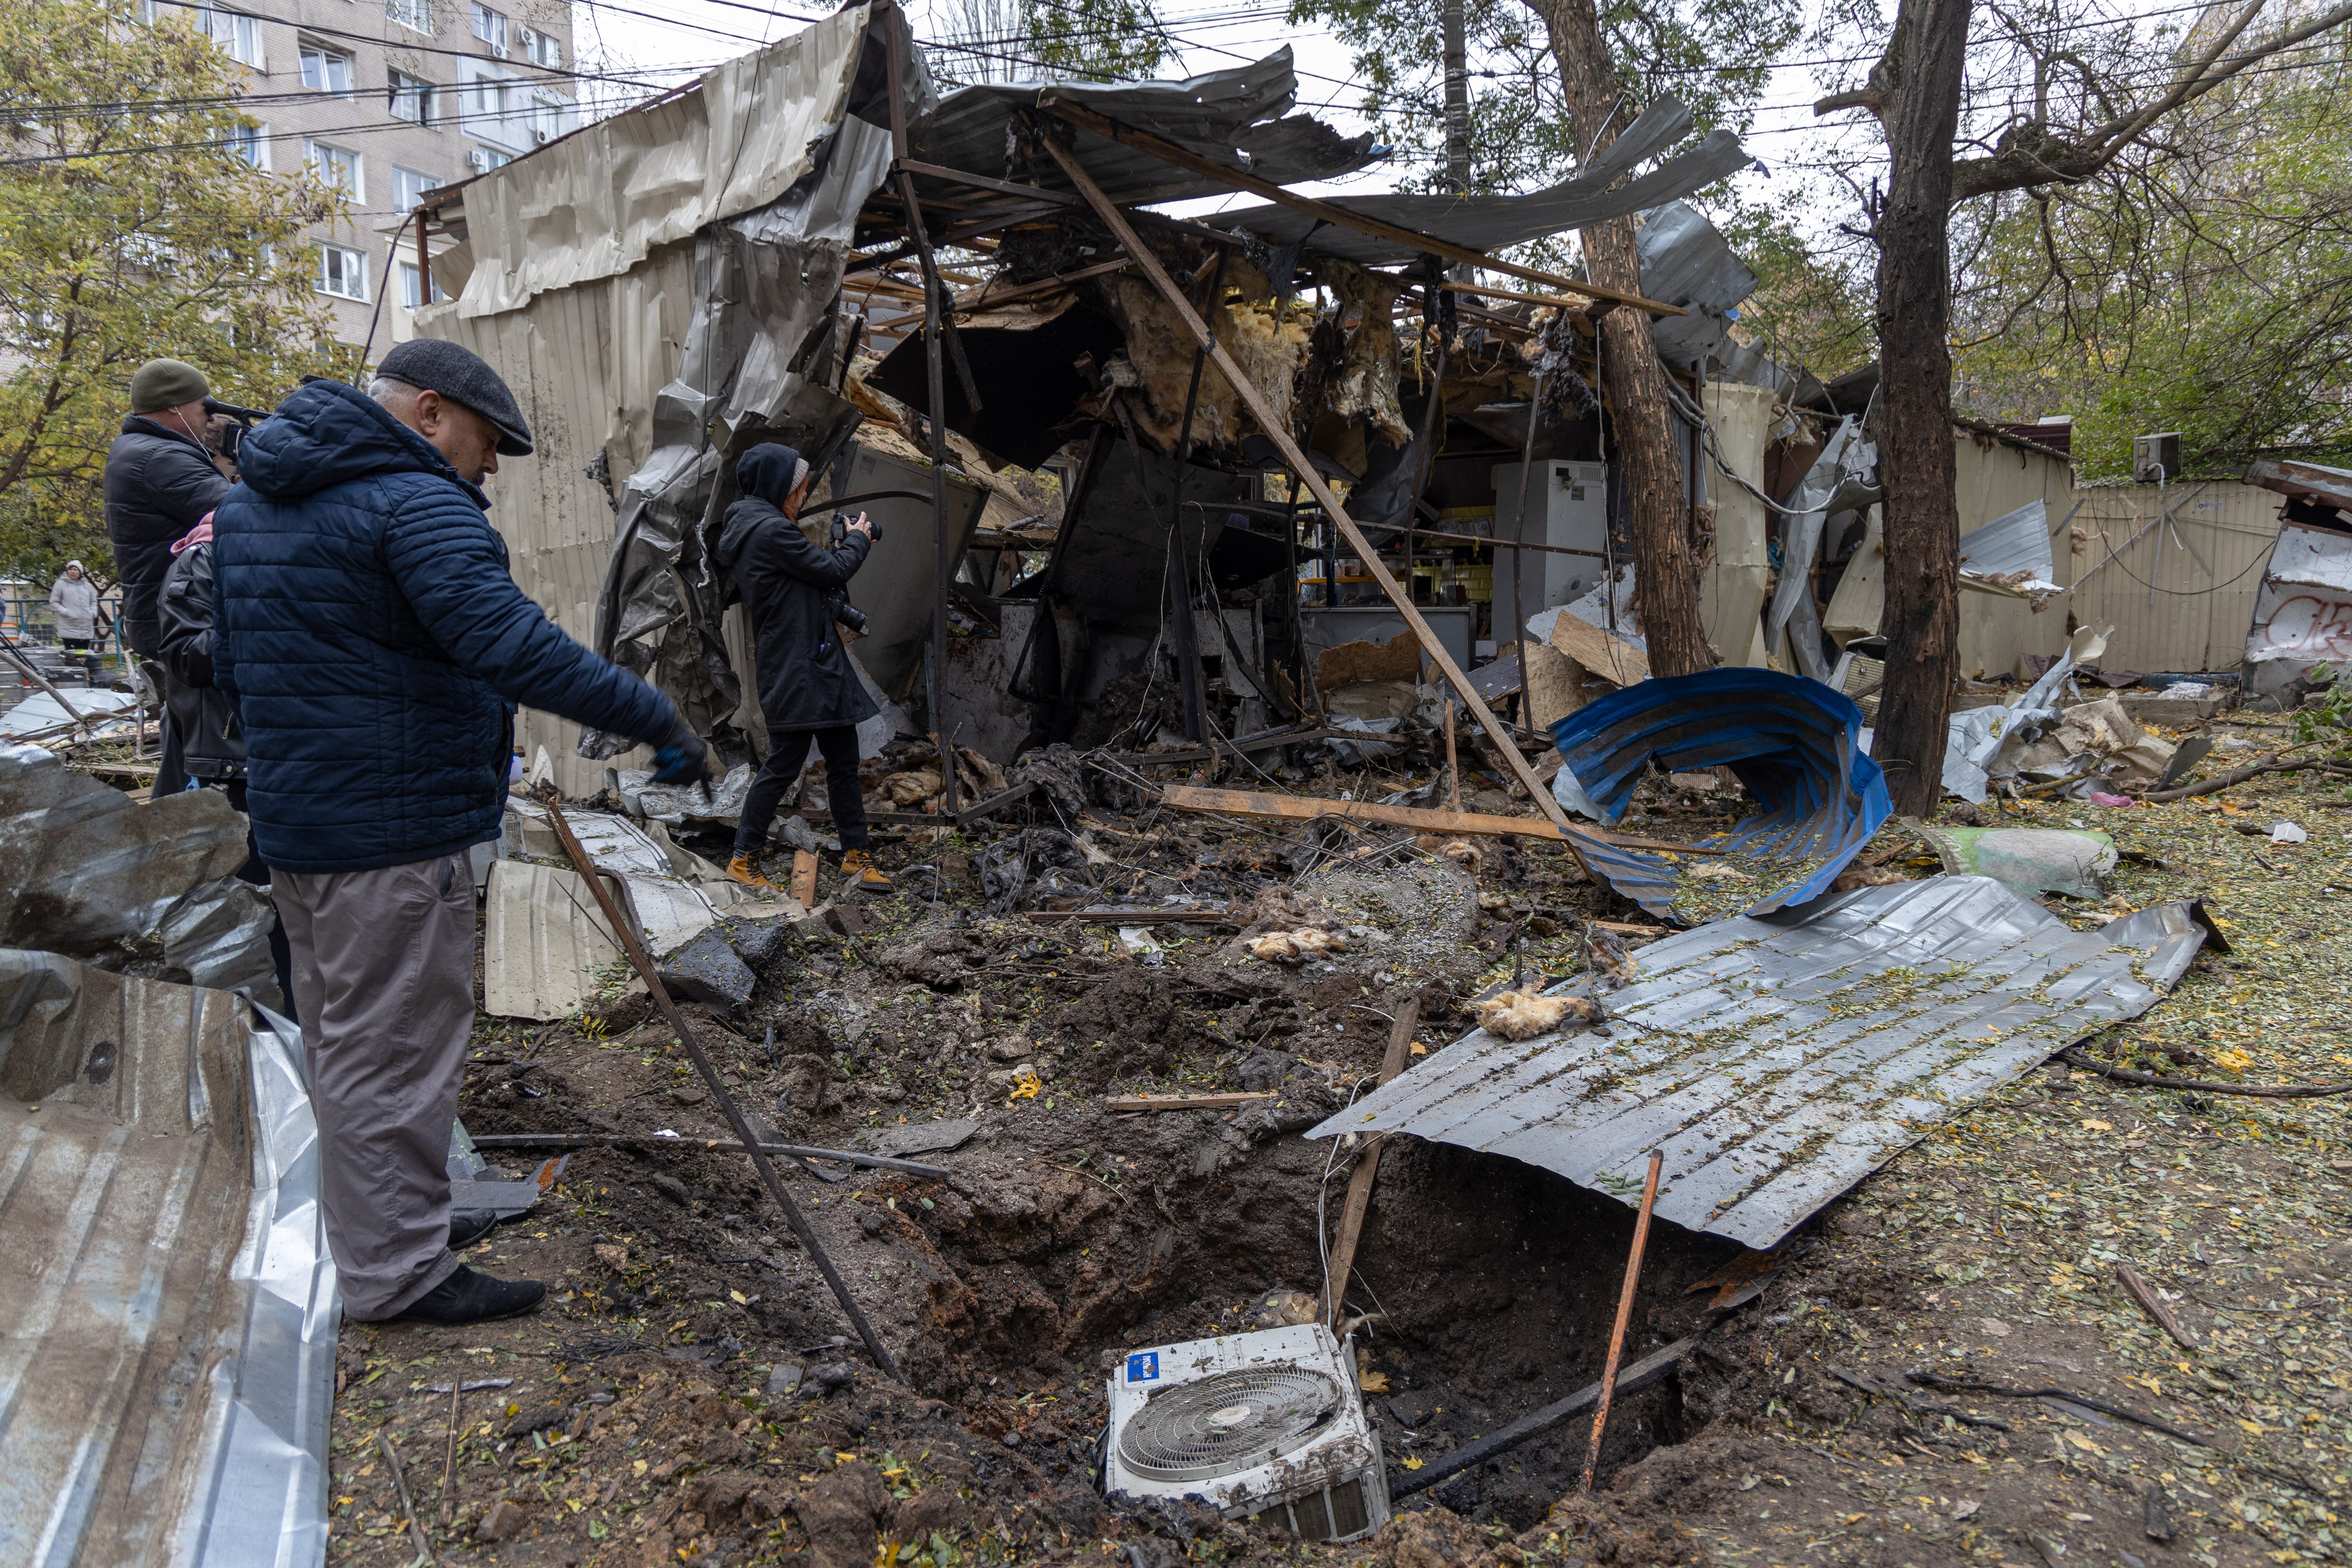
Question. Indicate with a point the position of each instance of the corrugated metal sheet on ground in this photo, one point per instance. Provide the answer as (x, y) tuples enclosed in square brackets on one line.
[(543, 939), (1792, 743), (169, 1360), (41, 713), (1779, 1060)]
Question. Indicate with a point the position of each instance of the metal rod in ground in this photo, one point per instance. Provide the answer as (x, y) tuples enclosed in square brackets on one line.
[(449, 1462), (707, 1145), (1624, 1312), (407, 1506), (1536, 1423), (644, 966)]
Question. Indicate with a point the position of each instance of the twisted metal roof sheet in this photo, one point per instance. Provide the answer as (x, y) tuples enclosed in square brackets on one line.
[(1795, 743), (1779, 1060), (1225, 115)]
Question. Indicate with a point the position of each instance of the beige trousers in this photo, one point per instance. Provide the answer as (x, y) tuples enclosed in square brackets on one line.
[(383, 979)]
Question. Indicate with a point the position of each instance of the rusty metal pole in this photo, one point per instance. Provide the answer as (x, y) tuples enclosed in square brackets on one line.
[(643, 964), (943, 564), (1624, 1311)]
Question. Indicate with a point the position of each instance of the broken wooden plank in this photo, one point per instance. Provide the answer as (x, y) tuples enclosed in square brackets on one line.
[(1627, 928), (1277, 429), (996, 803), (1182, 1102), (1612, 658), (803, 885), (1476, 824), (1359, 1185), (1338, 216)]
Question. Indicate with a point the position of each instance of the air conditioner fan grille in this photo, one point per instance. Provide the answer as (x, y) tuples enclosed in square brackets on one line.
[(1231, 1422)]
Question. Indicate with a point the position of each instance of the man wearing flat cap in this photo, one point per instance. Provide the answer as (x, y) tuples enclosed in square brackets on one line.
[(159, 482), (367, 630)]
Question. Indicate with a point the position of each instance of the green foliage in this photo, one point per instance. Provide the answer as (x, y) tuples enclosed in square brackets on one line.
[(1711, 54), (129, 230), (2202, 285), (2330, 723), (1811, 309), (1017, 40)]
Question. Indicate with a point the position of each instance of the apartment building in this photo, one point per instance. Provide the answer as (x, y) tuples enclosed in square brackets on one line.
[(387, 100)]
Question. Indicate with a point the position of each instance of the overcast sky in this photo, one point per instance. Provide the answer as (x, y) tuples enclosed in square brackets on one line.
[(664, 41)]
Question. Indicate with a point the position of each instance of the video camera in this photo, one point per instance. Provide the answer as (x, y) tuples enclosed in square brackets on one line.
[(232, 436), (847, 614)]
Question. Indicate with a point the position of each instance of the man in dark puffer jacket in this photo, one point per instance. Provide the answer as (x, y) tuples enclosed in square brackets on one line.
[(368, 633)]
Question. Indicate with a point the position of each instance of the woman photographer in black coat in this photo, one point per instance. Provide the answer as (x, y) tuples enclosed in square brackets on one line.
[(792, 588)]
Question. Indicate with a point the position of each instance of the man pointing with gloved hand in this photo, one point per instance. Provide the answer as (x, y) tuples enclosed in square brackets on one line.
[(375, 647)]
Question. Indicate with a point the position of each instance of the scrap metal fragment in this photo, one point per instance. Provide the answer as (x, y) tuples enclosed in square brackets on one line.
[(1781, 1059)]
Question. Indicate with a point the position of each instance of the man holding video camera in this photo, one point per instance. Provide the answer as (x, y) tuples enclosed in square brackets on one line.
[(796, 593)]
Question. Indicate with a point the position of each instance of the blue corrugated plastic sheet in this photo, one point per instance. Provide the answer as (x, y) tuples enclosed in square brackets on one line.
[(1792, 743)]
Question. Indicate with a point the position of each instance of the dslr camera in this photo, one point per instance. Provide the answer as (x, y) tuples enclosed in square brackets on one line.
[(232, 436), (837, 601)]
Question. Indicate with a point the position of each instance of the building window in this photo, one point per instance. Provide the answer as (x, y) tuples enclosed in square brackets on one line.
[(412, 13), (238, 35), (250, 143), (490, 26), (325, 70), (411, 98), (342, 273), (337, 166), (543, 49), (547, 118), (408, 187), (413, 285)]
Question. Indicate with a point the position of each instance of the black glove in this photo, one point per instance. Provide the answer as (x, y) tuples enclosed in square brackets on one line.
[(681, 758)]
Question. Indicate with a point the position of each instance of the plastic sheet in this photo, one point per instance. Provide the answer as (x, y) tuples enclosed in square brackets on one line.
[(89, 872), (1790, 741)]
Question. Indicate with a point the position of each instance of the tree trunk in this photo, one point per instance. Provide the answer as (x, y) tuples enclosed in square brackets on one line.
[(1914, 303), (1632, 382)]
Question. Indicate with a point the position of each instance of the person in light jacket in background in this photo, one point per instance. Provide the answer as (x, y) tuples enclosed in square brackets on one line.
[(74, 597), (807, 689)]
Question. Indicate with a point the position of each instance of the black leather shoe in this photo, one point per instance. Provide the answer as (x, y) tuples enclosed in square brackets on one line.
[(467, 1297), (467, 1226)]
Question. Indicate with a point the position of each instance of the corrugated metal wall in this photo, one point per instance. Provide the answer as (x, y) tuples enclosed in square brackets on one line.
[(1993, 477), (584, 364), (2179, 598)]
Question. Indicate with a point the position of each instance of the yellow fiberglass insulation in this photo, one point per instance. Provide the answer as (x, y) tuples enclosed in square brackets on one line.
[(1158, 369), (1366, 386)]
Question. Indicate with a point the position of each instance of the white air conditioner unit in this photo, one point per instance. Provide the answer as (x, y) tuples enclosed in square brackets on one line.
[(477, 161), (1267, 1426), (541, 137)]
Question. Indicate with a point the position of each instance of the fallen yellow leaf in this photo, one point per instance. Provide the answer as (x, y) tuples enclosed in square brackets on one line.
[(1374, 1383), (2095, 1125), (1421, 1050), (1413, 1464), (739, 1298), (2084, 1443)]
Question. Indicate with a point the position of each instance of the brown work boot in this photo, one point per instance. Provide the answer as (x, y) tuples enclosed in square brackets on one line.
[(864, 875), (746, 870)]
